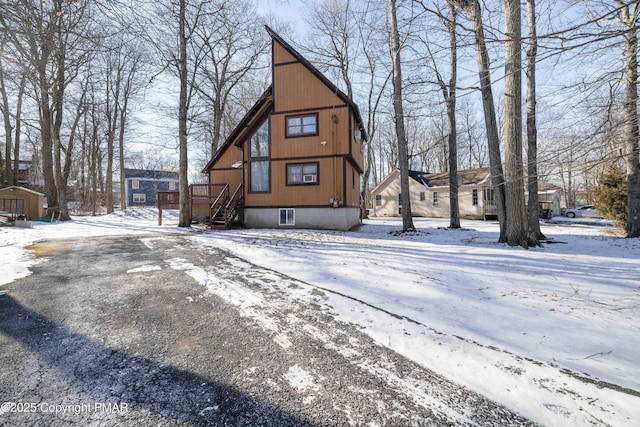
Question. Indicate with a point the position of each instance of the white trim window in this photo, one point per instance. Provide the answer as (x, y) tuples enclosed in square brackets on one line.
[(435, 198), (286, 216), (135, 184), (139, 198)]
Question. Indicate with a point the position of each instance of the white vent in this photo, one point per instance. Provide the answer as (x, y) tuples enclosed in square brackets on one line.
[(309, 178)]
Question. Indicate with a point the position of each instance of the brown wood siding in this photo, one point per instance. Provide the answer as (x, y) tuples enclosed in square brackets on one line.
[(311, 146), (296, 88), (284, 195), (224, 173), (352, 185), (281, 55)]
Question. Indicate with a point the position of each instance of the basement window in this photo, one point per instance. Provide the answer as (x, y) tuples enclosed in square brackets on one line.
[(287, 216)]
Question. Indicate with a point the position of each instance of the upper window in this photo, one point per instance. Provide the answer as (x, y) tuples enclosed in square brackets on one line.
[(260, 141), (303, 125), (302, 173), (259, 162), (135, 184)]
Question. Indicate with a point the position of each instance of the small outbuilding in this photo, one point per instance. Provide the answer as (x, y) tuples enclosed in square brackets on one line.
[(21, 202)]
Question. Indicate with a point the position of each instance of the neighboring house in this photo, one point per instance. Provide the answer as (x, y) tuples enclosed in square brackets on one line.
[(21, 202), (142, 186), (430, 195), (295, 159)]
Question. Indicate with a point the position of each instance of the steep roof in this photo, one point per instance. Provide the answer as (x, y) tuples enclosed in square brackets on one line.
[(151, 174), (242, 127), (320, 77)]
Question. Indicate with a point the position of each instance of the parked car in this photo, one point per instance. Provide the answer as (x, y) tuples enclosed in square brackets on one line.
[(587, 211)]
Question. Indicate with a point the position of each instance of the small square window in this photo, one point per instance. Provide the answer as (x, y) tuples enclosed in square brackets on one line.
[(303, 125), (287, 216), (135, 184)]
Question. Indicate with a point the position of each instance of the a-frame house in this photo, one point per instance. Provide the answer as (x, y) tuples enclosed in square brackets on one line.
[(295, 159)]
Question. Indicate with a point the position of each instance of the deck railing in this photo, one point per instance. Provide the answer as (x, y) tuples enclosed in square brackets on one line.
[(205, 193)]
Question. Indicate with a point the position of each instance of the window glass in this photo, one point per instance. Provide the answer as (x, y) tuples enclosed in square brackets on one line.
[(260, 141), (287, 217), (435, 199), (135, 184), (474, 195), (259, 176), (378, 199), (303, 173), (302, 125)]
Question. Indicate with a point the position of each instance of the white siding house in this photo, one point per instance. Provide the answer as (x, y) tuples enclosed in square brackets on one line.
[(430, 195)]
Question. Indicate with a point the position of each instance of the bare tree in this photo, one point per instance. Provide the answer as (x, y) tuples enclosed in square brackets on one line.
[(628, 14), (226, 39), (449, 94), (472, 9), (183, 109), (405, 196), (12, 119), (517, 229), (532, 129)]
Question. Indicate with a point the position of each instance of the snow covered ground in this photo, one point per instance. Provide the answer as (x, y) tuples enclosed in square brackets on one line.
[(550, 332)]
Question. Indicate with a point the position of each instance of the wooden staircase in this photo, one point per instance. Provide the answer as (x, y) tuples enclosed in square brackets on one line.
[(226, 208)]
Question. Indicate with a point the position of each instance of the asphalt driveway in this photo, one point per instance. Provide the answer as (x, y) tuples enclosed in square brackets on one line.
[(106, 332)]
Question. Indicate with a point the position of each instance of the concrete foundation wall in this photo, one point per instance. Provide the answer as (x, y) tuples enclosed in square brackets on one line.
[(313, 218)]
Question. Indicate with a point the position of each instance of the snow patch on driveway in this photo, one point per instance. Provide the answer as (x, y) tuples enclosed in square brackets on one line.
[(301, 380)]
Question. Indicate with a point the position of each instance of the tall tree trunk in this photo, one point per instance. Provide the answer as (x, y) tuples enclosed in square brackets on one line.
[(18, 130), (532, 129), (403, 159), (58, 100), (113, 97), (450, 99), (472, 9), (629, 12), (8, 131), (517, 224), (46, 132), (185, 208), (123, 116)]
